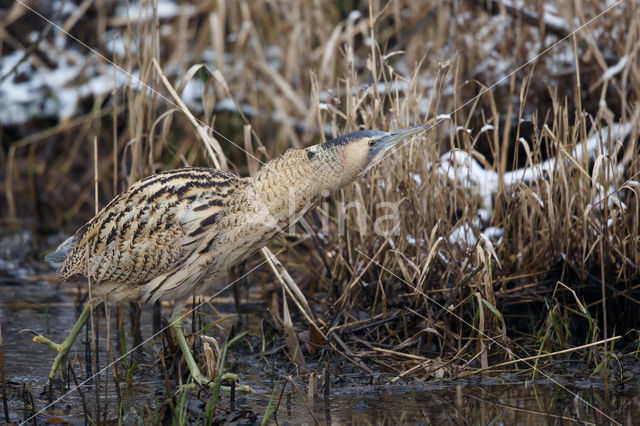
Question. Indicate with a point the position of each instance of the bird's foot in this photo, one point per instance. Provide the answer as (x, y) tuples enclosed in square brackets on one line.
[(226, 378), (60, 360), (59, 363), (41, 339)]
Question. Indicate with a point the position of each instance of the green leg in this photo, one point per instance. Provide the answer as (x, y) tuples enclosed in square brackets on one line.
[(63, 348), (178, 334)]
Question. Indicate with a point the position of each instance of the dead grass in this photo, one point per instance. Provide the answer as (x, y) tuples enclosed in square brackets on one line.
[(472, 277)]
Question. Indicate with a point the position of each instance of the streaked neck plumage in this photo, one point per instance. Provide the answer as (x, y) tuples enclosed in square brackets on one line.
[(293, 183)]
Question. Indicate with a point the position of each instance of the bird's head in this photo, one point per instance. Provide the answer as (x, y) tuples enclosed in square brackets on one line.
[(352, 154)]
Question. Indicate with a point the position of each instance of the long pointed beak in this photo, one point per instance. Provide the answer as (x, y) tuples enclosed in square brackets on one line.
[(392, 138)]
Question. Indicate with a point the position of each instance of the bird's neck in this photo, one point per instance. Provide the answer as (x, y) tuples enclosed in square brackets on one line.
[(293, 183)]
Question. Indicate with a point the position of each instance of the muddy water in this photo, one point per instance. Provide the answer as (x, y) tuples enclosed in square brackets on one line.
[(27, 301)]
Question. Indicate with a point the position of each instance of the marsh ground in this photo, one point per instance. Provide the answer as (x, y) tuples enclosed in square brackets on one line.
[(509, 231)]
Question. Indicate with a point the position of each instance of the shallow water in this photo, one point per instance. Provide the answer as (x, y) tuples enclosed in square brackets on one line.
[(31, 299), (39, 306)]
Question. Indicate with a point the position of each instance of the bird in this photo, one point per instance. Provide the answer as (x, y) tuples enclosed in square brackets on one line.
[(169, 235)]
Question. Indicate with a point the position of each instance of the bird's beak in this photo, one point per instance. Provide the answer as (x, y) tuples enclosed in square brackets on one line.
[(389, 140)]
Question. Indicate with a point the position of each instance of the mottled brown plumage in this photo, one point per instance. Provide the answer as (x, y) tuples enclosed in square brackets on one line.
[(162, 225), (169, 235)]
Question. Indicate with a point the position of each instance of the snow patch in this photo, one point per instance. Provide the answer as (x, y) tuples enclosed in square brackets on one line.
[(463, 236), (615, 69)]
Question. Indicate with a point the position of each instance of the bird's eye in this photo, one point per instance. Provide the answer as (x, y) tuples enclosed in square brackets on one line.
[(372, 142)]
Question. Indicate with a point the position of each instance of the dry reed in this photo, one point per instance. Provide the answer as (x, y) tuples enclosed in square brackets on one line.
[(468, 278)]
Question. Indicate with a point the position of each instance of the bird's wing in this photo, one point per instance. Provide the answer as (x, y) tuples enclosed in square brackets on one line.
[(152, 227)]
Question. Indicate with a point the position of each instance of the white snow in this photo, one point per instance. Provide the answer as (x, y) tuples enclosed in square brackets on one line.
[(354, 15), (484, 215), (493, 232), (463, 236), (166, 9), (538, 199), (226, 104), (615, 69), (382, 89), (462, 168), (555, 21)]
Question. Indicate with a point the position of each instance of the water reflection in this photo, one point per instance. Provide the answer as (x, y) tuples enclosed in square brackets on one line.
[(39, 306), (476, 404)]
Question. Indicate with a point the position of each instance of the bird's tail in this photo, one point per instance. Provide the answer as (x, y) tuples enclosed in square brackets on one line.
[(57, 257)]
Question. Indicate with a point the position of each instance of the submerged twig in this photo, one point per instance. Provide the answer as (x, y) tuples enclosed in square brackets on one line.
[(537, 357), (3, 382)]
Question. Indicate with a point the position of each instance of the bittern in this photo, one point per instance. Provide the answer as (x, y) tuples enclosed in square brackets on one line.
[(170, 234)]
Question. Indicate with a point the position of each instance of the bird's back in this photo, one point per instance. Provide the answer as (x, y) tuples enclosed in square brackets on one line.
[(165, 235), (150, 230)]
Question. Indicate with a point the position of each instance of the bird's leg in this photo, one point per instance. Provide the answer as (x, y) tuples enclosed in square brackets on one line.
[(178, 334), (64, 347)]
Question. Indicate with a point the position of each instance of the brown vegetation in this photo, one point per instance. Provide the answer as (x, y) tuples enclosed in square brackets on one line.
[(474, 276)]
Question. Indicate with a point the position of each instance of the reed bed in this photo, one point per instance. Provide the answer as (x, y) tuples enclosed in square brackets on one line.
[(509, 230)]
